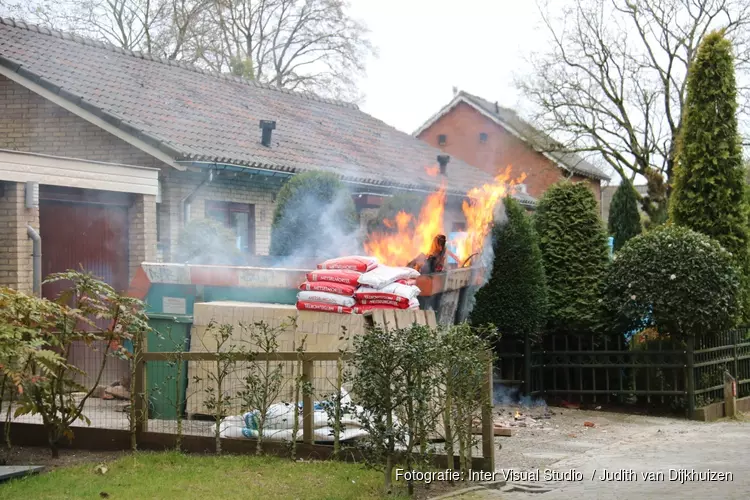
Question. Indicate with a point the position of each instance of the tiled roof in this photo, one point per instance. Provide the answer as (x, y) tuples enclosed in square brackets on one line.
[(195, 115), (536, 138)]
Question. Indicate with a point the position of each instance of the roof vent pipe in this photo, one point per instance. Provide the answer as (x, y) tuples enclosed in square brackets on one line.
[(443, 162), (267, 126), (497, 108)]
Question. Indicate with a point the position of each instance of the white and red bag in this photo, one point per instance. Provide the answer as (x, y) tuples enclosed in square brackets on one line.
[(328, 298), (395, 291), (384, 302), (327, 286), (385, 275), (343, 276), (323, 307), (361, 309), (410, 282), (351, 263)]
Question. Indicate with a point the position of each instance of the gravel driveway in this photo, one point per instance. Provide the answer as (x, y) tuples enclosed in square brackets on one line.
[(627, 446)]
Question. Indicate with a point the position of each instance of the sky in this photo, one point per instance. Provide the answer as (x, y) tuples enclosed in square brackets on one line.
[(426, 47)]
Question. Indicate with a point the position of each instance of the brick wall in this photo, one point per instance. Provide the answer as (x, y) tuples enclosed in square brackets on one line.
[(30, 123), (142, 231), (244, 189), (462, 126), (15, 245)]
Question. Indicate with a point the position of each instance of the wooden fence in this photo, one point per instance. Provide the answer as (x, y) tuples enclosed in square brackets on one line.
[(317, 370), (678, 375)]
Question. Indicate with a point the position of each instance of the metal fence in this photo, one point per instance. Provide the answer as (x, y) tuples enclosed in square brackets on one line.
[(678, 375)]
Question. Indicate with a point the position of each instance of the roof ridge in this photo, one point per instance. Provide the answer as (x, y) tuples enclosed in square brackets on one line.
[(64, 35)]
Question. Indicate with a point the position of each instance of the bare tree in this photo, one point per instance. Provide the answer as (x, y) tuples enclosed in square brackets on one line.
[(613, 80), (308, 45)]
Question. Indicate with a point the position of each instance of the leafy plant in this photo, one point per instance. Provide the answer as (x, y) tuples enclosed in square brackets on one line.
[(677, 280), (515, 297), (466, 358), (575, 256), (263, 382), (312, 209), (50, 388), (709, 194), (217, 399), (624, 217)]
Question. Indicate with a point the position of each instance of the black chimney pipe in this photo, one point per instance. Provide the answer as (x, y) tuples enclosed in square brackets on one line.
[(443, 162), (267, 126)]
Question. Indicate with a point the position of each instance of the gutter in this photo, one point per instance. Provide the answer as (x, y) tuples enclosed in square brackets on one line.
[(36, 255)]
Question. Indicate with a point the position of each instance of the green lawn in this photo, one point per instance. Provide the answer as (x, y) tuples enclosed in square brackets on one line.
[(173, 475)]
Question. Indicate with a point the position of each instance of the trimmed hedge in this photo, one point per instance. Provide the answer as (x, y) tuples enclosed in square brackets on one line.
[(575, 256), (678, 280), (314, 217), (624, 218), (515, 297)]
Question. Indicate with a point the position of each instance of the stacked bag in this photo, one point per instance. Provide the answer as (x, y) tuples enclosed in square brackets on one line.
[(357, 284)]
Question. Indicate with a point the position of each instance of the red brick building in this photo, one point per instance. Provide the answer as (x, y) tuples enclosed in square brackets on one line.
[(491, 137)]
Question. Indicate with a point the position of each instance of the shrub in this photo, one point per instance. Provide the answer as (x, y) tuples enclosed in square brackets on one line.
[(206, 241), (515, 297), (709, 180), (679, 281), (624, 218), (575, 256), (314, 217)]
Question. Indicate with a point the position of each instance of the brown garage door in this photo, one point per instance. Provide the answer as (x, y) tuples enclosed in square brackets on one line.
[(92, 236), (89, 230)]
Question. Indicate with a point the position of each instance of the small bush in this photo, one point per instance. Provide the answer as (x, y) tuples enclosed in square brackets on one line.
[(206, 241), (683, 283), (515, 297), (624, 218), (314, 217), (575, 255)]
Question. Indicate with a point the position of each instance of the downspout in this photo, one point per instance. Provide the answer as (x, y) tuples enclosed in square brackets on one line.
[(185, 202), (36, 256)]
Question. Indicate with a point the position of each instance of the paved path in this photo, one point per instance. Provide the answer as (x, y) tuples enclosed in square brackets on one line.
[(655, 446)]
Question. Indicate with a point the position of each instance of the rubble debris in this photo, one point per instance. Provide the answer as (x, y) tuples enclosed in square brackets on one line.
[(589, 424)]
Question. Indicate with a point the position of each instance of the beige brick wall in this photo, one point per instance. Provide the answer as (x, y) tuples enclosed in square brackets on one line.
[(245, 189), (142, 231), (15, 245), (30, 123)]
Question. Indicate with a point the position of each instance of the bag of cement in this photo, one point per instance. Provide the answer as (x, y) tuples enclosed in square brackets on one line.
[(352, 263), (325, 297), (395, 292), (385, 275)]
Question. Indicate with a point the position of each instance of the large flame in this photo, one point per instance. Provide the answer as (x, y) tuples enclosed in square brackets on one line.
[(479, 211), (408, 237)]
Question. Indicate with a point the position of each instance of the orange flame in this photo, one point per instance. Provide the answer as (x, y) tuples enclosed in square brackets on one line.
[(432, 171), (518, 414), (479, 211), (408, 237), (411, 237)]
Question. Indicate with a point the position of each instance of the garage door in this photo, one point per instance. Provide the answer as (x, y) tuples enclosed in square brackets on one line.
[(91, 236), (86, 229)]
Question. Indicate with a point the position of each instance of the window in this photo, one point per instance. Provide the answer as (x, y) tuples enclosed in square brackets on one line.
[(239, 217), (483, 137), (441, 139)]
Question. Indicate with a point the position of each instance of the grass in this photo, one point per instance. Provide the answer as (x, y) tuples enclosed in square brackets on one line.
[(174, 475)]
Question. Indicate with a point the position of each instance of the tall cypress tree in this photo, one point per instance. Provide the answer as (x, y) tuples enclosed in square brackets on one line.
[(575, 256), (515, 297), (624, 219), (709, 185)]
